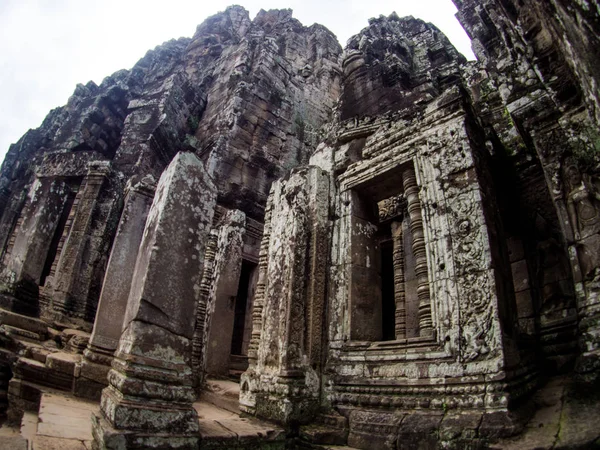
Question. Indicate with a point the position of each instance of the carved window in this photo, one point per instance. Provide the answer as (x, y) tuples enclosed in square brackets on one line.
[(389, 287)]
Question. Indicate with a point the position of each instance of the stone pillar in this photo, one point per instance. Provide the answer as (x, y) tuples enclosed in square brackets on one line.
[(199, 340), (399, 288), (259, 297), (115, 290), (283, 381), (24, 266), (224, 287), (148, 403), (71, 283), (411, 191)]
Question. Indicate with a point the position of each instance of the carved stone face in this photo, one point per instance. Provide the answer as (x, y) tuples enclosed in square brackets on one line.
[(573, 176)]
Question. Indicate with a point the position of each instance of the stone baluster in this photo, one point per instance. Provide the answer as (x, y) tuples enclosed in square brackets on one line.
[(411, 191), (399, 287)]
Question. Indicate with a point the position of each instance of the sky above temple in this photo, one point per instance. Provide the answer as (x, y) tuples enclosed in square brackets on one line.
[(48, 46)]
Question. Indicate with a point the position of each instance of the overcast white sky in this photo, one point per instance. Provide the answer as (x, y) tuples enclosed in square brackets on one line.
[(48, 46)]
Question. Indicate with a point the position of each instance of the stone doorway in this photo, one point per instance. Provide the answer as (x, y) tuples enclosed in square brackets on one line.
[(231, 322)]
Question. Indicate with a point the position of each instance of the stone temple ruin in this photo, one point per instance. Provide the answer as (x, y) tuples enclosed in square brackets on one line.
[(387, 246)]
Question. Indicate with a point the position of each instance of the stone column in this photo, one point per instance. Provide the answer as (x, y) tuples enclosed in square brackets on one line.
[(148, 403), (259, 297), (71, 283), (25, 264), (224, 287), (399, 288), (115, 290), (283, 382), (411, 191), (199, 340)]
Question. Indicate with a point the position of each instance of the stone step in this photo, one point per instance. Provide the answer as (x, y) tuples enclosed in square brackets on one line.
[(36, 326), (19, 332), (224, 394), (39, 373), (221, 429), (63, 362), (20, 305), (324, 435)]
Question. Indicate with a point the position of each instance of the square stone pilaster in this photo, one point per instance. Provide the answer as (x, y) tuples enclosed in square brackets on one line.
[(283, 380), (148, 403), (221, 304), (115, 289)]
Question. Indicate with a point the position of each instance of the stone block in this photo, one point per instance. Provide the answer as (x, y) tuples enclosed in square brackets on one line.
[(108, 438), (95, 372), (63, 362), (88, 389), (39, 373), (121, 265), (149, 416), (524, 304), (373, 429), (319, 434), (39, 354), (520, 275), (419, 431), (459, 426), (75, 340), (499, 424)]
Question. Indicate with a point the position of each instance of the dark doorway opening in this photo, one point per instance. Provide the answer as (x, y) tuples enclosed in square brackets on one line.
[(241, 304)]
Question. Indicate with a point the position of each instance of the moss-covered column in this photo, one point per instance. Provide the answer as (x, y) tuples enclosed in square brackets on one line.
[(148, 403), (283, 381)]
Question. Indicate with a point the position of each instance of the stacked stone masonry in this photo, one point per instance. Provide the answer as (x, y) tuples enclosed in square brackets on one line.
[(389, 246)]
